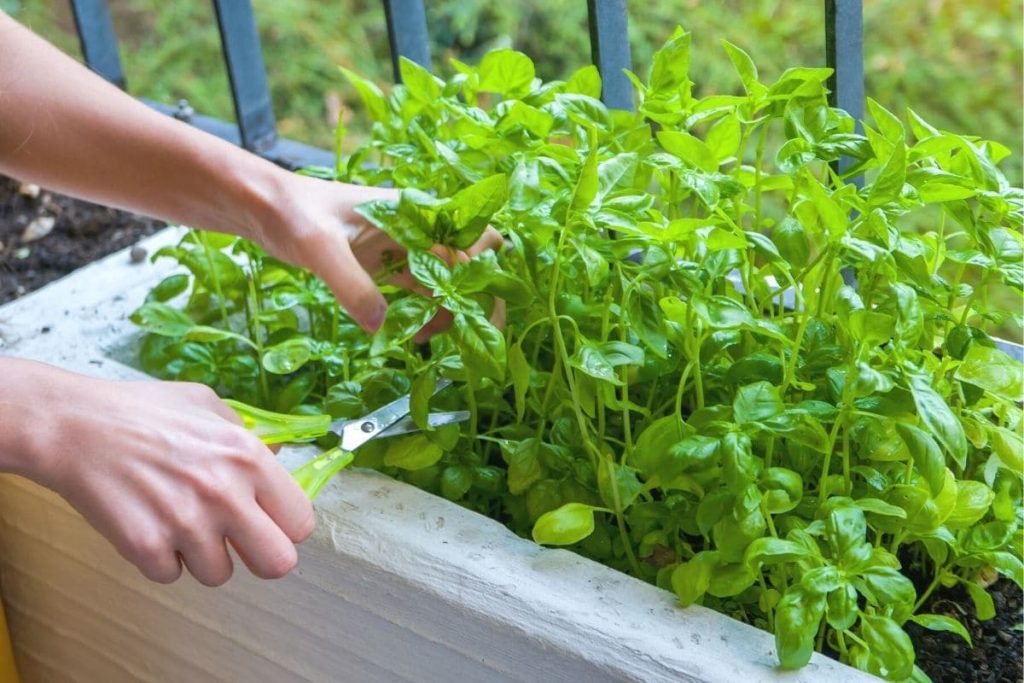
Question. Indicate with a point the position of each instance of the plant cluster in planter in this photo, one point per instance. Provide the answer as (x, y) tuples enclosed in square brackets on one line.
[(687, 386)]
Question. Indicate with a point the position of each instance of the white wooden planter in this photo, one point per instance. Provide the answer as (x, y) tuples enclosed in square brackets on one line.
[(395, 584)]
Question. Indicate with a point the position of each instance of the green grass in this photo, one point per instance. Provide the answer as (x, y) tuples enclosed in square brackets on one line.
[(957, 63)]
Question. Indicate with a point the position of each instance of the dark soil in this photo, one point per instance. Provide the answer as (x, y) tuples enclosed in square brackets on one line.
[(998, 642), (81, 233)]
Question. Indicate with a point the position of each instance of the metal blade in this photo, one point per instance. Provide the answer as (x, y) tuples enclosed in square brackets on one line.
[(354, 433), (407, 426)]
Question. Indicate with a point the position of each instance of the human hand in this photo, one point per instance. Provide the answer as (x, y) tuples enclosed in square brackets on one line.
[(166, 473), (314, 225)]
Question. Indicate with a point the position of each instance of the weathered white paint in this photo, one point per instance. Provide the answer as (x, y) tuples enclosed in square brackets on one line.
[(395, 585)]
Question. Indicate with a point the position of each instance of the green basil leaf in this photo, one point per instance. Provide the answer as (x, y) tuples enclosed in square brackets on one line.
[(1007, 564), (374, 102), (823, 580), (414, 452), (519, 368), (506, 72), (887, 587), (345, 399), (926, 454), (845, 530), (568, 524), (890, 644), (585, 81), (841, 609), (745, 67), (471, 208), (168, 288), (880, 507), (973, 499), (404, 318), (994, 371), (288, 356), (587, 184), (615, 171), (689, 149), (756, 402), (524, 465), (589, 360), (481, 344), (456, 482), (419, 82), (584, 111), (618, 485), (162, 319), (797, 618), (690, 580), (772, 551), (729, 580), (671, 64), (430, 271), (783, 489), (940, 622), (423, 388), (205, 333), (983, 605), (940, 420)]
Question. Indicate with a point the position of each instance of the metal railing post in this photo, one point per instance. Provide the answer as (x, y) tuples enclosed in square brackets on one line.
[(844, 54), (96, 34), (407, 33), (240, 41), (609, 49)]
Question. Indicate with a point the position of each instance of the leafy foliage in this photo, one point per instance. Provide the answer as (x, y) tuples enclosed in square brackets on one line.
[(688, 387)]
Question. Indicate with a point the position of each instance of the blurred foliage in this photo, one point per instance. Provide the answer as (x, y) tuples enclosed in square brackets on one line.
[(958, 63)]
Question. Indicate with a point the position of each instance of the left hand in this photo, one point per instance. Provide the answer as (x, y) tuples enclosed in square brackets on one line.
[(314, 225)]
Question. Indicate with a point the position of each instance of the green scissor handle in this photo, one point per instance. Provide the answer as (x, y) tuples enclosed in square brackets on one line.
[(314, 474), (273, 428)]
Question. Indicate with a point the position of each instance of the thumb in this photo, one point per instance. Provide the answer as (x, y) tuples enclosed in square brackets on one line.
[(352, 286)]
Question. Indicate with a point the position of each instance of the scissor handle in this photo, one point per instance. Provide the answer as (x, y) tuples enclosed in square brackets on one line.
[(273, 428), (314, 474)]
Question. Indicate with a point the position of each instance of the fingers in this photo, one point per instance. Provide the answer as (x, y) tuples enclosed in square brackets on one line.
[(207, 559), (286, 504), (332, 259), (439, 323), (491, 239), (262, 546), (163, 569), (150, 551)]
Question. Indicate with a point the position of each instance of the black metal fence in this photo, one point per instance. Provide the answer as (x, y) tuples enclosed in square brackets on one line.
[(256, 128)]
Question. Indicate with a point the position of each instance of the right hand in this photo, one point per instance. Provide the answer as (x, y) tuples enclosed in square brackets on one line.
[(167, 473)]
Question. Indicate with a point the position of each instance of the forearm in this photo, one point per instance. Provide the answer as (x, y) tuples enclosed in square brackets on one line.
[(67, 129)]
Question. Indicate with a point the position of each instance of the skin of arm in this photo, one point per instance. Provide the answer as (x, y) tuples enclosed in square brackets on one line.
[(165, 470)]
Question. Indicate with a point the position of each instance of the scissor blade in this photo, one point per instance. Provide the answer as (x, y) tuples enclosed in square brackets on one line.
[(407, 426), (354, 433)]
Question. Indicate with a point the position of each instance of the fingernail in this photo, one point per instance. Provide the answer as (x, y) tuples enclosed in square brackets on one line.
[(376, 318)]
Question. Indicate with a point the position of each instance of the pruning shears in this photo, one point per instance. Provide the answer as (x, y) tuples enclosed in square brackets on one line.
[(393, 419)]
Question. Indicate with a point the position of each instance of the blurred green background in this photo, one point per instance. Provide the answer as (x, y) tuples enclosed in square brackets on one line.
[(957, 62)]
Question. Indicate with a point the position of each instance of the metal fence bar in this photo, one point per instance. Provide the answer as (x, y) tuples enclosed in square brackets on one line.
[(844, 54), (407, 33), (98, 39), (240, 41), (609, 50)]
